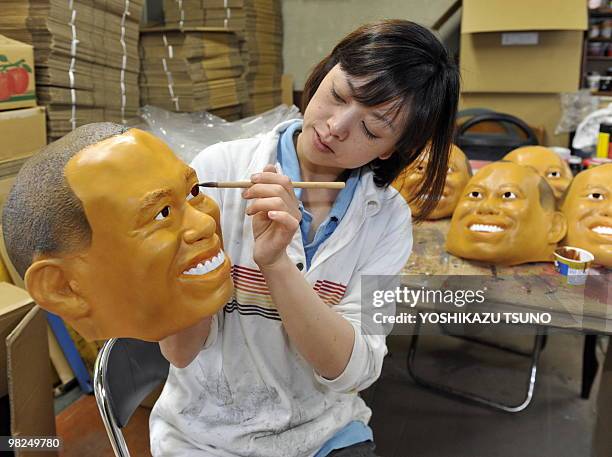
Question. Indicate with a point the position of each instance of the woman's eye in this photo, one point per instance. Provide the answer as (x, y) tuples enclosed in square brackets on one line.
[(553, 174), (164, 213), (596, 196), (195, 191), (509, 195), (336, 96), (367, 133), (450, 170), (475, 194)]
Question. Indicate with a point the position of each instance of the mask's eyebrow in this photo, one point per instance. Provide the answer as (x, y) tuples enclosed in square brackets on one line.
[(594, 186), (152, 199), (190, 175), (511, 187)]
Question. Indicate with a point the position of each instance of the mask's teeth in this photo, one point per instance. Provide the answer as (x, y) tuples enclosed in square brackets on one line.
[(485, 228), (207, 266), (602, 230)]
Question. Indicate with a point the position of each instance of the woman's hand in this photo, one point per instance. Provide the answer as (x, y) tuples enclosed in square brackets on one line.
[(276, 215)]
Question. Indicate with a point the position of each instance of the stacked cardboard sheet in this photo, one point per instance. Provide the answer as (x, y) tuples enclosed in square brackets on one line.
[(86, 57), (264, 38), (193, 69), (259, 25)]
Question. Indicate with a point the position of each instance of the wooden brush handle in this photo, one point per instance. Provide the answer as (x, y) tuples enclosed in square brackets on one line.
[(296, 184)]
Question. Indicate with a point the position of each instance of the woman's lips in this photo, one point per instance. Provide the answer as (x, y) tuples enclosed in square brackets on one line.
[(318, 143)]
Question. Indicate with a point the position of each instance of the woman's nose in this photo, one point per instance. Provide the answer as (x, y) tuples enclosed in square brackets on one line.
[(338, 126)]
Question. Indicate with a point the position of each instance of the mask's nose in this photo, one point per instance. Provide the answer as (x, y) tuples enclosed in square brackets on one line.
[(198, 225)]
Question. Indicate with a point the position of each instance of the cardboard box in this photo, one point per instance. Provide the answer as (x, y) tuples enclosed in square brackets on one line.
[(522, 46), (17, 83), (23, 132), (535, 109), (5, 187), (501, 15), (25, 371), (551, 66)]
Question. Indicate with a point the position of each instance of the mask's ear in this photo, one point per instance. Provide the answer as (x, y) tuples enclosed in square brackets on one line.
[(558, 228), (48, 282)]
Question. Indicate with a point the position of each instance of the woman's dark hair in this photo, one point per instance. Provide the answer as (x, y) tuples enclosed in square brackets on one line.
[(403, 63)]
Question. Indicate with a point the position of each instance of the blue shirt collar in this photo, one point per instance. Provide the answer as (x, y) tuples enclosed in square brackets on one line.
[(287, 157)]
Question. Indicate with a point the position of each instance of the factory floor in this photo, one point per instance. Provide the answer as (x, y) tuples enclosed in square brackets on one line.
[(410, 421)]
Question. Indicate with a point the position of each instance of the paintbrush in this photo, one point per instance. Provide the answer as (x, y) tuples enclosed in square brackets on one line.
[(296, 184)]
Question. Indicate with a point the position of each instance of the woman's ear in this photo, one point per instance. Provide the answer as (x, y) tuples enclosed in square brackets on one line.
[(48, 282), (386, 155)]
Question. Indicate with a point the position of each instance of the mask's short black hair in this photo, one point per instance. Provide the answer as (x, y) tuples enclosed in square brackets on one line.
[(42, 215), (547, 195), (405, 64)]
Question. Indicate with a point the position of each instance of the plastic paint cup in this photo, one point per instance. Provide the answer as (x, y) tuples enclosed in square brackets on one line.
[(573, 263)]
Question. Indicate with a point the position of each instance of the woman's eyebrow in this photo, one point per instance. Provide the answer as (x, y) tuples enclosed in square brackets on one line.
[(380, 116), (384, 119)]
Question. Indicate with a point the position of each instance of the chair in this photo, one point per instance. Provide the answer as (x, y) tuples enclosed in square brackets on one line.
[(125, 372)]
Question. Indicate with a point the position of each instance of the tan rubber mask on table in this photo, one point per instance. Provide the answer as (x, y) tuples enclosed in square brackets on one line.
[(548, 165), (458, 174), (588, 208), (506, 216), (155, 264)]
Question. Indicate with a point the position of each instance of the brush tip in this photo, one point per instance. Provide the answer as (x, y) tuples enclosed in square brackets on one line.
[(208, 184)]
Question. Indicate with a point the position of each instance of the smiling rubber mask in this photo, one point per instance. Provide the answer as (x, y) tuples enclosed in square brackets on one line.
[(506, 216), (458, 174), (547, 163), (155, 264), (588, 208)]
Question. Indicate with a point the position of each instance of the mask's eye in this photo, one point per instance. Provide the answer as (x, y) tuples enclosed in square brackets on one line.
[(475, 194), (595, 196), (164, 213), (195, 191), (509, 195), (553, 174)]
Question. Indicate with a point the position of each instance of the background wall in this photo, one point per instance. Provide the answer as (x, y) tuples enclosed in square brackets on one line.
[(313, 27)]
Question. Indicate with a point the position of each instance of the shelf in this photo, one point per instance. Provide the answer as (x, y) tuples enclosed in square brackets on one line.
[(600, 12), (599, 58), (602, 94), (600, 40)]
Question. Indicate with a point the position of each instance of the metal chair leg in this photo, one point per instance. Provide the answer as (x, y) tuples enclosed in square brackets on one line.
[(590, 365), (115, 435), (539, 342), (491, 344)]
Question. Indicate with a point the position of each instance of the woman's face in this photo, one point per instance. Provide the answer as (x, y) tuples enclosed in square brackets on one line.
[(341, 133)]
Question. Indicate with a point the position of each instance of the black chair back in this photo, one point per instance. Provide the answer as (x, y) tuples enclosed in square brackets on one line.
[(134, 369), (478, 145)]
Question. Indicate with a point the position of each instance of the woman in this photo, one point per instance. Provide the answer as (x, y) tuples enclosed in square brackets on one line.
[(277, 372)]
